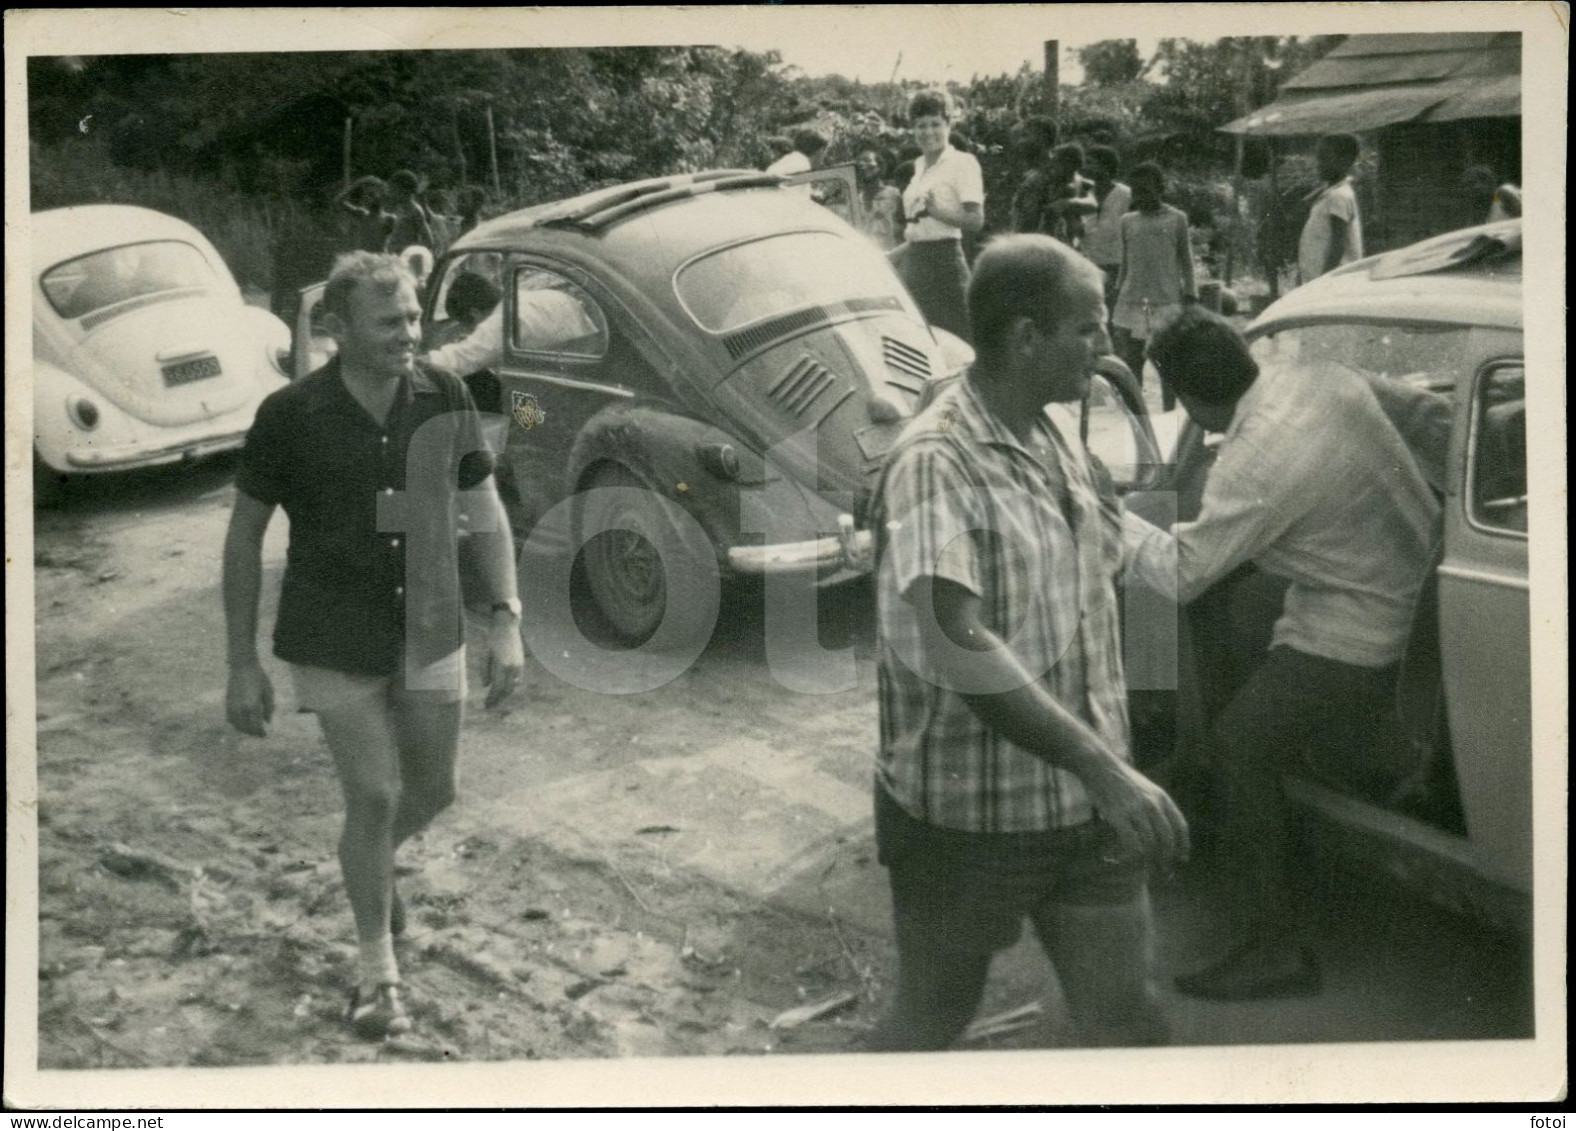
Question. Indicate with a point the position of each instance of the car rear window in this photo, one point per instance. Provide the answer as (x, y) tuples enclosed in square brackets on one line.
[(87, 283), (748, 282)]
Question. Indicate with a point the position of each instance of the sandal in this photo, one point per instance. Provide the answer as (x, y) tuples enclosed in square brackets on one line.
[(381, 1015)]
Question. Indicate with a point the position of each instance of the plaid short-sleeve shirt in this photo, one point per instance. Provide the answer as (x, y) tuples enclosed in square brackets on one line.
[(1030, 530)]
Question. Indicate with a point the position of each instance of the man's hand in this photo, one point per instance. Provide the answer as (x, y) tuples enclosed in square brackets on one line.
[(249, 699), (505, 657), (1142, 815)]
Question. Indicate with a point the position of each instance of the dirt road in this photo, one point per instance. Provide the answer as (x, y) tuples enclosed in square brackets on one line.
[(661, 873)]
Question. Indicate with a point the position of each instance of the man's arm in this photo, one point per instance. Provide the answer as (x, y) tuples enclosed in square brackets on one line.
[(249, 696), (494, 557), (481, 349), (968, 217), (1337, 246), (1185, 258), (964, 652)]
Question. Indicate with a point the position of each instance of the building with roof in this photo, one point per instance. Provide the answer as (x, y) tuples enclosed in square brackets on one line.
[(1430, 105)]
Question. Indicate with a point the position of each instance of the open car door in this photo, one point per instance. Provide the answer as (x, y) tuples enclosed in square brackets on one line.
[(837, 188)]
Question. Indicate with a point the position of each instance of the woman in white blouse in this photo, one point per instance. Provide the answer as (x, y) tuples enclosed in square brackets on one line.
[(945, 199)]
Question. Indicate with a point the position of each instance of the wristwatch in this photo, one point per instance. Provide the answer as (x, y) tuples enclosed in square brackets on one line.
[(511, 605)]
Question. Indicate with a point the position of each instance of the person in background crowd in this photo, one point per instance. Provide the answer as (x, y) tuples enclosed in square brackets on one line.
[(882, 204), (410, 224), (1489, 199), (1155, 251), (1315, 483), (808, 145), (365, 224), (945, 199), (1102, 238), (444, 218), (777, 146), (470, 299), (383, 668), (1004, 784), (1053, 197), (1333, 233), (472, 199)]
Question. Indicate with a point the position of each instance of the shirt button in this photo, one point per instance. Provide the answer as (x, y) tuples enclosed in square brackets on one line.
[(399, 590), (385, 439), (388, 490), (394, 542)]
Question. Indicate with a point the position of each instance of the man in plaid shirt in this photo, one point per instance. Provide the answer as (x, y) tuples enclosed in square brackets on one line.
[(1004, 788)]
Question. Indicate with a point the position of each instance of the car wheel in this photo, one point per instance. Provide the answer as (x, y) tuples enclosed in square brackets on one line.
[(48, 484), (647, 569)]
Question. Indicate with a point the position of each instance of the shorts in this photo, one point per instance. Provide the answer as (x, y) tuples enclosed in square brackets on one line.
[(323, 689), (972, 891)]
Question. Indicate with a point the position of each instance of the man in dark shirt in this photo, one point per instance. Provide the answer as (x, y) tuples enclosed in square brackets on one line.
[(372, 460)]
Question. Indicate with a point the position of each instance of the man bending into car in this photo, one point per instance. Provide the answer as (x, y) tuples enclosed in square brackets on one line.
[(1313, 483), (1004, 786), (369, 458)]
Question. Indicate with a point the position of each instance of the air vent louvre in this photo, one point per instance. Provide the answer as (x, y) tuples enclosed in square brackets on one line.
[(804, 381)]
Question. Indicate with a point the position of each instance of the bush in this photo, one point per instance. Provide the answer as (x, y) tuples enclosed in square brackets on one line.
[(242, 227)]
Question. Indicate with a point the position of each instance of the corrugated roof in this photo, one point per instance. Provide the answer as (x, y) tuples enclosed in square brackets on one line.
[(1372, 81)]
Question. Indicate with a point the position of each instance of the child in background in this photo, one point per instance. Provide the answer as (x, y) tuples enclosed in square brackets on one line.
[(1156, 260)]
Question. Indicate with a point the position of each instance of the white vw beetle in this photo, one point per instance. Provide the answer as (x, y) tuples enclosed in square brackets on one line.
[(143, 350)]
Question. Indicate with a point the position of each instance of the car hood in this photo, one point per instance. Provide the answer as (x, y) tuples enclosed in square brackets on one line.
[(134, 360)]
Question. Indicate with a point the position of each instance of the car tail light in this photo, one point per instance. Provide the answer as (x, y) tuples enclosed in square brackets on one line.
[(719, 459), (83, 412)]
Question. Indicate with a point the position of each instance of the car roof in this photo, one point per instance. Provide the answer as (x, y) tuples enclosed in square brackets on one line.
[(1470, 277), (64, 233), (647, 228)]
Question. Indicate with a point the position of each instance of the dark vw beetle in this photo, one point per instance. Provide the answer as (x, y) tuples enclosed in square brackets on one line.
[(719, 341)]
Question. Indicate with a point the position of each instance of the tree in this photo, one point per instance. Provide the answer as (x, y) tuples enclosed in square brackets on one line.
[(1111, 62)]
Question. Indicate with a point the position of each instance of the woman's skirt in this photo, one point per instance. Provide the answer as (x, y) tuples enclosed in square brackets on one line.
[(937, 276)]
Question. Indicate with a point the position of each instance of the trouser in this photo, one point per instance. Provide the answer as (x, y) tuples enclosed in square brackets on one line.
[(960, 897), (937, 276), (1295, 704)]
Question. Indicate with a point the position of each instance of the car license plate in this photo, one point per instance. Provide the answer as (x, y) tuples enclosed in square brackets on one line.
[(185, 372)]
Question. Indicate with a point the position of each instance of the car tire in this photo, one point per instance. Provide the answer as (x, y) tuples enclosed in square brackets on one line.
[(652, 574), (49, 486)]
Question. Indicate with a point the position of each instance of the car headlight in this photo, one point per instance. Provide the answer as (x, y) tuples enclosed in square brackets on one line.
[(83, 412)]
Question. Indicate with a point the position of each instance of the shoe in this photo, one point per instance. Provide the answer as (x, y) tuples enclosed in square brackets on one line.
[(381, 1015), (396, 915), (1255, 972)]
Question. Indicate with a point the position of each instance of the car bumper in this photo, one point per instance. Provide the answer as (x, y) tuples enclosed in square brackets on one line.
[(849, 549), (130, 456)]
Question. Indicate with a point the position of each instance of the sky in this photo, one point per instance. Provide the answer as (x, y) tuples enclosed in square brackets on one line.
[(931, 58)]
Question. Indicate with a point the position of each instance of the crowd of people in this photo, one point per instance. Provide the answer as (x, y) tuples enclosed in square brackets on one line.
[(1005, 788)]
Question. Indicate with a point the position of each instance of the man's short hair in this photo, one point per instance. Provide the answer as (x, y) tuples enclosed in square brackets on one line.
[(471, 294), (1104, 156), (1039, 135), (1069, 156), (356, 269), (1202, 356), (1151, 172), (405, 180), (809, 142), (1022, 276), (1344, 146), (934, 103), (779, 145)]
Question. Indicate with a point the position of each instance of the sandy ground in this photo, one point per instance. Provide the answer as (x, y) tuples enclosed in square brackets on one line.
[(655, 874)]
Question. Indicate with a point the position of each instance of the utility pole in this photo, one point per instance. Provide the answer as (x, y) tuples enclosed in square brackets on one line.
[(1053, 77), (346, 148), (492, 152)]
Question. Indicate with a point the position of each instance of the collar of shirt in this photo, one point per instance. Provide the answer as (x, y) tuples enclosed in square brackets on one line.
[(1247, 402), (329, 393)]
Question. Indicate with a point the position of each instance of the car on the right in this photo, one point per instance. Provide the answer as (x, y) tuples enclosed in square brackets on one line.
[(1444, 314)]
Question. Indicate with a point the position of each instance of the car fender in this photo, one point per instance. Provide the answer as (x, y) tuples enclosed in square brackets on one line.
[(662, 448), (54, 433), (273, 339)]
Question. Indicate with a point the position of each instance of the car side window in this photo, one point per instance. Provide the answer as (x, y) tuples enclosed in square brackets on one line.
[(554, 315), (1498, 468)]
